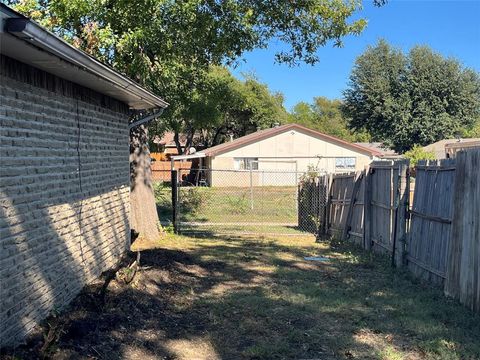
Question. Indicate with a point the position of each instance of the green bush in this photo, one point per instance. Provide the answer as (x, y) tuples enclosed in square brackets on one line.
[(417, 153), (162, 193), (192, 199)]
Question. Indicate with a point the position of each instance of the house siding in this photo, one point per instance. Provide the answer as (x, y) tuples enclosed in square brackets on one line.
[(64, 193), (287, 152)]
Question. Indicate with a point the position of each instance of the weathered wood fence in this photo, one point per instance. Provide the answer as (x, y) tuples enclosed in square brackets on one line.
[(463, 256), (437, 238), (386, 206), (339, 200), (370, 207), (431, 220)]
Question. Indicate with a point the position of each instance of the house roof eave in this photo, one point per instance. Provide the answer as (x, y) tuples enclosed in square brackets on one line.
[(264, 134)]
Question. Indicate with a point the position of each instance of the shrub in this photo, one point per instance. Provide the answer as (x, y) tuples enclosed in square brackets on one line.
[(193, 198), (417, 153), (162, 193)]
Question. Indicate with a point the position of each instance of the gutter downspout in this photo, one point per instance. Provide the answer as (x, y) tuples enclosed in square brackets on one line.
[(146, 119)]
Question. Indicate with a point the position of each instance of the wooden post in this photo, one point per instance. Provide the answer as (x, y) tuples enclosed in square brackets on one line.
[(402, 212), (174, 179), (463, 264), (367, 210)]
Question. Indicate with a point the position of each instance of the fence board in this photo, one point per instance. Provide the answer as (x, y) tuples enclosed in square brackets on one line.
[(340, 197), (463, 271), (354, 224), (385, 197), (430, 225)]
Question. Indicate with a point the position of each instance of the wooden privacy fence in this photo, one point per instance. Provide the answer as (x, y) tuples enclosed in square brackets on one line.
[(463, 256), (161, 170), (370, 207), (437, 239), (339, 200), (386, 206), (431, 220), (345, 206)]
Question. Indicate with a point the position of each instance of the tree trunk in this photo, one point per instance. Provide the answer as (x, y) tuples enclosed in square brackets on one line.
[(143, 217), (176, 138), (188, 142), (217, 134)]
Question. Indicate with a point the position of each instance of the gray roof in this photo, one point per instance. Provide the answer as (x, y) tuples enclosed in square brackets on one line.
[(438, 148), (26, 41), (379, 147)]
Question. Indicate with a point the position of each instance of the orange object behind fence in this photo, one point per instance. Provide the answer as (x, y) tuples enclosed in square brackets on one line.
[(161, 170)]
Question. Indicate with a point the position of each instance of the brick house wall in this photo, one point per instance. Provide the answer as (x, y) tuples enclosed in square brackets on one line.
[(64, 192)]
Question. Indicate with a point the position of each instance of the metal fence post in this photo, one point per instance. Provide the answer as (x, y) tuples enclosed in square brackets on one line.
[(174, 179), (296, 185), (251, 187)]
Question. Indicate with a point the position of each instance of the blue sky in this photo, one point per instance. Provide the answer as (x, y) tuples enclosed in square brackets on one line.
[(451, 28)]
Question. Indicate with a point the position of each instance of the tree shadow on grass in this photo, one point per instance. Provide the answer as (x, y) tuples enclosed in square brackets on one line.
[(239, 299)]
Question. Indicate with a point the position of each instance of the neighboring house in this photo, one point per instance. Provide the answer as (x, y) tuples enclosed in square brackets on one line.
[(286, 149), (165, 146), (65, 174), (447, 148)]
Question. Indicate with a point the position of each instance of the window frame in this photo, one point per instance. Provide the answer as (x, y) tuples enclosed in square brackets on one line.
[(345, 163), (245, 163)]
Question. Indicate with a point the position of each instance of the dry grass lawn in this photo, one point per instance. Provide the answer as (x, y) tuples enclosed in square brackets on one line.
[(251, 298)]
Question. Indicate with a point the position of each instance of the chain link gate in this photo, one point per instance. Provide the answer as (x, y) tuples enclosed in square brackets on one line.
[(247, 202)]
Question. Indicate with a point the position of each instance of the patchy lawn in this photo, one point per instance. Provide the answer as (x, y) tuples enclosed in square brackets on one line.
[(246, 298)]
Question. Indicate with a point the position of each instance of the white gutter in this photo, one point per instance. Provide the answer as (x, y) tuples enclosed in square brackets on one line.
[(188, 157), (31, 32), (146, 119), (197, 155)]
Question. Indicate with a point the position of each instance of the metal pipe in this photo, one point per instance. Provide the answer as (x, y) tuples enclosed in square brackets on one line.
[(146, 119), (251, 185)]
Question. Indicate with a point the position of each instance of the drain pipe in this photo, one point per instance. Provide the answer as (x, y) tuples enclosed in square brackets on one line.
[(146, 119)]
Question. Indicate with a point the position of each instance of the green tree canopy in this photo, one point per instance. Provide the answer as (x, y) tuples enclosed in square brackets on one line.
[(413, 99), (225, 106), (325, 115), (169, 45)]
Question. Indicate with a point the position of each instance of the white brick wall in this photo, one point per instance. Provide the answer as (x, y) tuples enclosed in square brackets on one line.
[(55, 234)]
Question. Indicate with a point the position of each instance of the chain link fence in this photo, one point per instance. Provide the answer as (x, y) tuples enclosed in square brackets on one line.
[(257, 202)]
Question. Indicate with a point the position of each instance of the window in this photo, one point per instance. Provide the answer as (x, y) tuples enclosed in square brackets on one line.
[(245, 163), (345, 164)]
